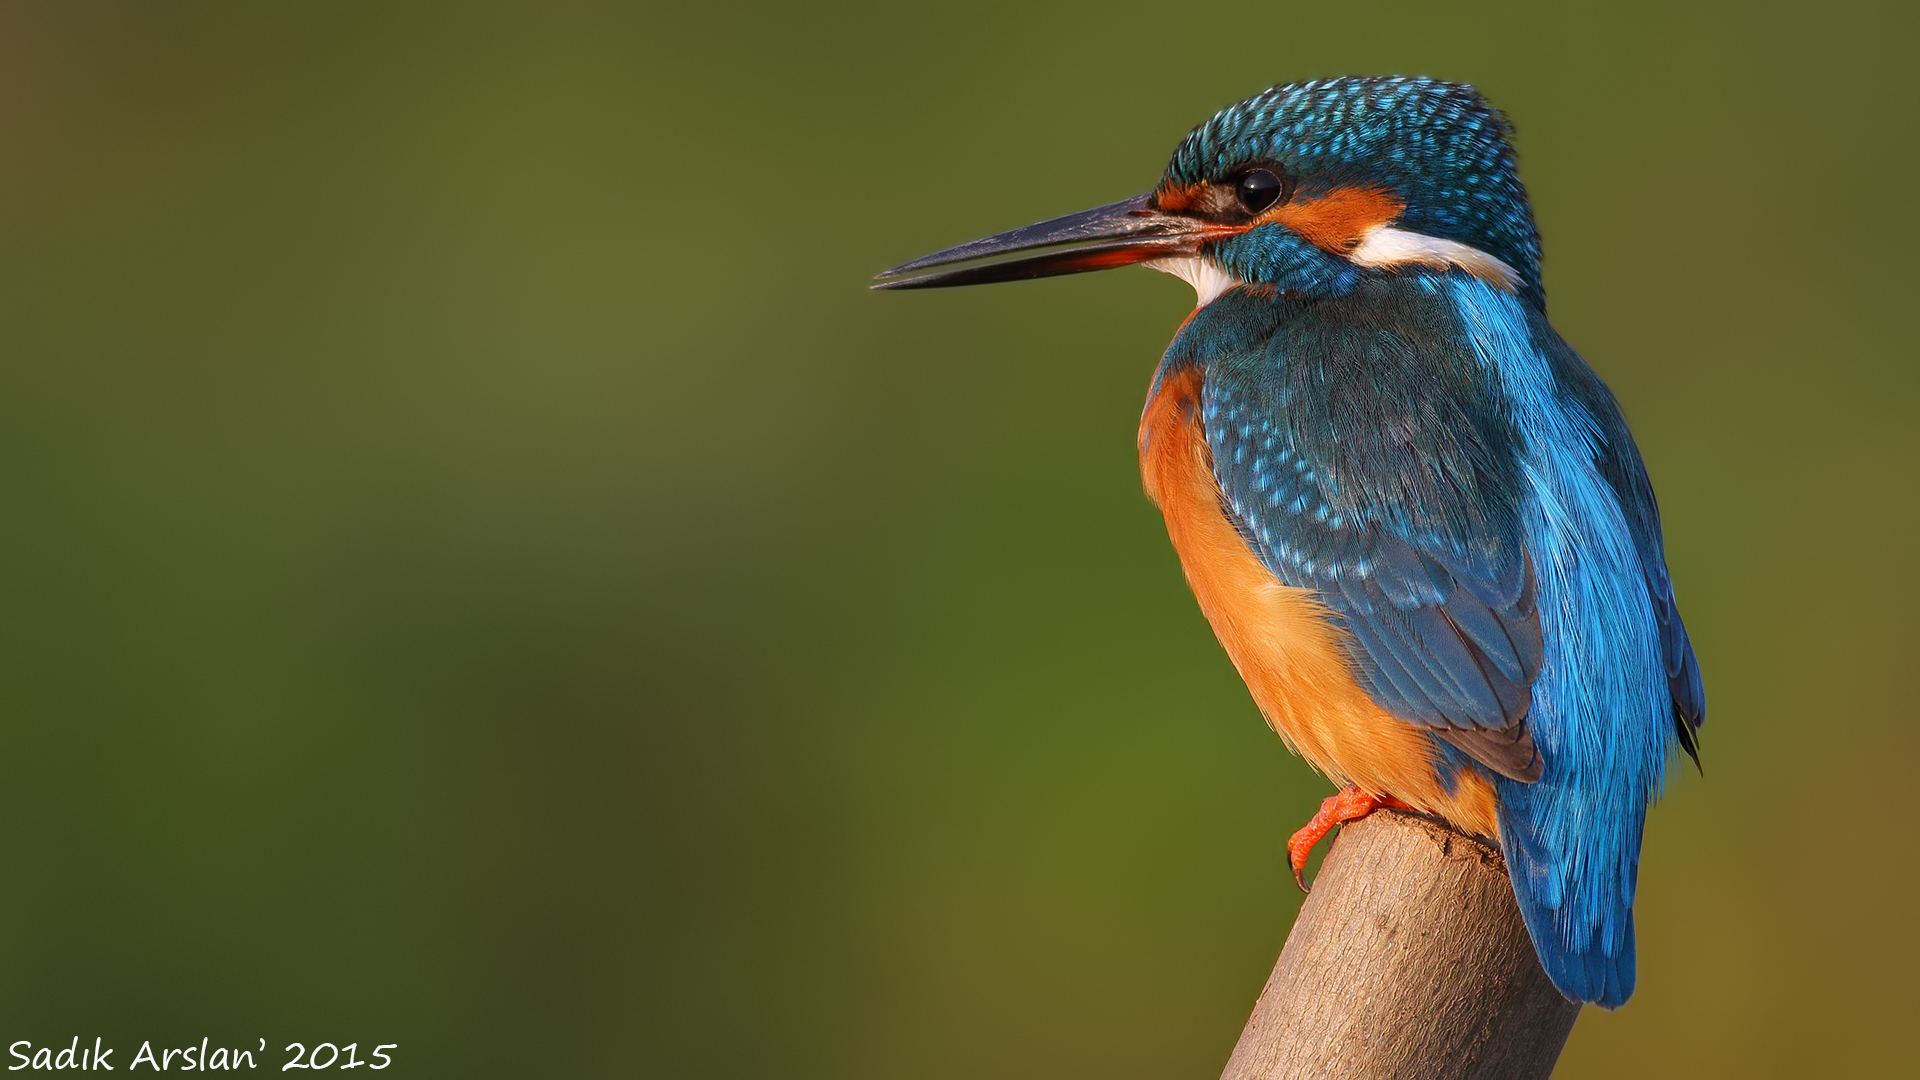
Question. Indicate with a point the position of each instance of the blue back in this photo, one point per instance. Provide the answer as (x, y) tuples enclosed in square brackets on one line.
[(1426, 452)]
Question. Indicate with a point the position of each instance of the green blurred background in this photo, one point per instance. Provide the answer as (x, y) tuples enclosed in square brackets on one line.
[(483, 574)]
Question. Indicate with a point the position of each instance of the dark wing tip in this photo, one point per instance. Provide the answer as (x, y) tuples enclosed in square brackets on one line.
[(1689, 740), (1508, 751)]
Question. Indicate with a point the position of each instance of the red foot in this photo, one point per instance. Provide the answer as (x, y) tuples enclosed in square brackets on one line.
[(1351, 804)]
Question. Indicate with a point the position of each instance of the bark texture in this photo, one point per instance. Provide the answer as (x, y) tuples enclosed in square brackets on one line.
[(1409, 959)]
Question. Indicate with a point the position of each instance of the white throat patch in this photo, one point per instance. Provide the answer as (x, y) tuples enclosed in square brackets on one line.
[(1205, 275)]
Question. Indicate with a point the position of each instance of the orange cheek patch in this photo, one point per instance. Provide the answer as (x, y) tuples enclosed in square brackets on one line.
[(1176, 199), (1338, 220)]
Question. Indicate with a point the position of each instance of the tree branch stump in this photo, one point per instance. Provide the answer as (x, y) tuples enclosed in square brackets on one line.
[(1409, 960)]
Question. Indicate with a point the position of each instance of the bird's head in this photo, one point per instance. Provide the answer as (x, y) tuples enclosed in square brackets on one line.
[(1305, 189)]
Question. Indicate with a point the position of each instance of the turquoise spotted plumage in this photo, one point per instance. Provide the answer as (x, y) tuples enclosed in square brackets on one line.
[(1437, 143), (1390, 426)]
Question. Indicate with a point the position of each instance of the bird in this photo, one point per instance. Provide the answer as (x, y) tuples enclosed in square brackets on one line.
[(1413, 515)]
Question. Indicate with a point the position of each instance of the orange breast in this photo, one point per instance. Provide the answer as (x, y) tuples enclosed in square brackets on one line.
[(1280, 638)]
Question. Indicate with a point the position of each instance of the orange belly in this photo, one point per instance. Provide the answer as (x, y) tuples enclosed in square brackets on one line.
[(1280, 638)]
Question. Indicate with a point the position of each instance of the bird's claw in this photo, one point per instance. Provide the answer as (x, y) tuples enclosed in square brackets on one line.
[(1351, 804)]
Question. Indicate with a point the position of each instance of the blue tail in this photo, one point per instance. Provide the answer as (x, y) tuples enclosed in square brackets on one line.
[(1575, 891)]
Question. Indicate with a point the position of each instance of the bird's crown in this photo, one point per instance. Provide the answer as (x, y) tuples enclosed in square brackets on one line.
[(1430, 158)]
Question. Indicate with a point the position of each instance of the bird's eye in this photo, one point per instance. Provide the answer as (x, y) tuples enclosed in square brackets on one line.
[(1258, 190)]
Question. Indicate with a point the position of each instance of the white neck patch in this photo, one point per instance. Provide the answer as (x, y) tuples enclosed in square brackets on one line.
[(1384, 245), (1205, 275)]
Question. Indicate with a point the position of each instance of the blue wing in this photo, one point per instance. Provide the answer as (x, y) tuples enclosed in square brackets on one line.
[(1619, 464), (1362, 452)]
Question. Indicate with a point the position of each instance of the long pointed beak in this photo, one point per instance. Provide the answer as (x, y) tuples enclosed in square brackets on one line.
[(1118, 234)]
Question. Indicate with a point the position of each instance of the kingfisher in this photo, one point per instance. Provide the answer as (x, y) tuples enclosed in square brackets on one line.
[(1413, 515)]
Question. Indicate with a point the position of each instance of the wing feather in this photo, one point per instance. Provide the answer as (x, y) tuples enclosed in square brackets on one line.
[(1620, 465), (1367, 460)]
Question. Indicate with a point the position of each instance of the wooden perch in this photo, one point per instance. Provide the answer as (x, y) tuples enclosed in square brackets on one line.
[(1409, 959)]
